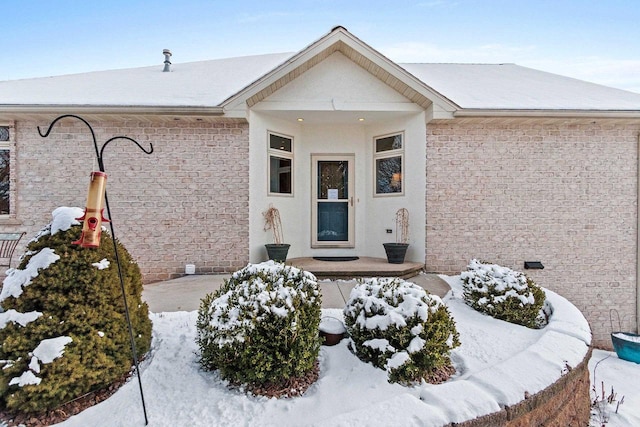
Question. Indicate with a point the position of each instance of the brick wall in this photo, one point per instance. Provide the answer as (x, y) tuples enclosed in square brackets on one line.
[(185, 203), (561, 193)]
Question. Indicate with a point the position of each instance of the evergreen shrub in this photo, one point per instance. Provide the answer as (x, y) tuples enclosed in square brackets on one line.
[(504, 294), (62, 321), (398, 327), (261, 326)]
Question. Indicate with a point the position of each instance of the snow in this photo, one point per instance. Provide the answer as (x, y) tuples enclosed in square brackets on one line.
[(513, 87), (17, 279), (605, 367), (627, 337), (331, 325), (210, 83), (484, 278), (27, 378), (204, 84), (50, 349), (16, 317), (104, 263), (64, 218), (496, 363), (372, 296), (46, 352)]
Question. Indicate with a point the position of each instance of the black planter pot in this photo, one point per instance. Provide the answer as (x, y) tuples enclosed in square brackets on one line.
[(395, 252), (277, 252)]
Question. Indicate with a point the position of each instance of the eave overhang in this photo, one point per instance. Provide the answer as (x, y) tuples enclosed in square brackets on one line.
[(548, 113), (145, 112), (111, 109)]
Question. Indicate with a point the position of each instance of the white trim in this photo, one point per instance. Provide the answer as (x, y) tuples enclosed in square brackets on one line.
[(111, 109), (351, 200), (601, 114), (386, 155), (333, 105), (282, 155), (10, 145)]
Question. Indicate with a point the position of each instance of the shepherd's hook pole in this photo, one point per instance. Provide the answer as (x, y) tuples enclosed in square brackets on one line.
[(113, 236)]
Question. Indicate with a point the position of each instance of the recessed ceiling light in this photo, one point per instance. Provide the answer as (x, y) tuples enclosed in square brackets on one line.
[(361, 119), (300, 119)]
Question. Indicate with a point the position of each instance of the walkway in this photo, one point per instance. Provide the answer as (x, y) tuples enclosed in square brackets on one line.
[(185, 293)]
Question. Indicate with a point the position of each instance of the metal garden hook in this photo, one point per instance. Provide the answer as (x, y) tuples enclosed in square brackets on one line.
[(99, 154)]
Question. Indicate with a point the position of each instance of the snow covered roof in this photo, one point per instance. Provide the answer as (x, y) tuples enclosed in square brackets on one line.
[(212, 85), (510, 86), (195, 84)]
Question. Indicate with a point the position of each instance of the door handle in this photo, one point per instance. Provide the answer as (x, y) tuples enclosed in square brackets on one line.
[(351, 200)]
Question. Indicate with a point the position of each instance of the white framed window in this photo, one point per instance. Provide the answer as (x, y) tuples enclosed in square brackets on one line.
[(388, 164), (6, 149), (280, 150)]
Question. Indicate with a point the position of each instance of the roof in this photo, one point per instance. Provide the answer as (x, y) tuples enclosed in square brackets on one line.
[(197, 84), (214, 84), (510, 86)]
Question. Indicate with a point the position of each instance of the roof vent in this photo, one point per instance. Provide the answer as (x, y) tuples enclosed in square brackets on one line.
[(167, 62)]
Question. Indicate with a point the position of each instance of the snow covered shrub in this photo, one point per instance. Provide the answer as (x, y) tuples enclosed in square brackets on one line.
[(398, 327), (62, 323), (503, 293), (261, 326)]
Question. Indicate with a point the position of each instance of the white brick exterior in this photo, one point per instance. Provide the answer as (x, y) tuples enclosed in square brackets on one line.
[(185, 203), (563, 192), (505, 191)]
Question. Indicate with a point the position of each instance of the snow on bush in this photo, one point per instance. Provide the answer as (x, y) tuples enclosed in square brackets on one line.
[(504, 294), (62, 323), (398, 327), (261, 325)]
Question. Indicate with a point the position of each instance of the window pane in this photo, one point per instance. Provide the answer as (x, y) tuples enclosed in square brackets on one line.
[(333, 220), (333, 180), (4, 182), (389, 175), (280, 175), (393, 142), (4, 133), (277, 142)]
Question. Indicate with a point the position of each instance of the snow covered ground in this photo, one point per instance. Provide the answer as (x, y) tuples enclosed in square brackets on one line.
[(624, 377), (494, 364), (497, 364)]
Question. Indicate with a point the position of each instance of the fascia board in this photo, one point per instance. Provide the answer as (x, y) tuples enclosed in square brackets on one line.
[(622, 114), (111, 109)]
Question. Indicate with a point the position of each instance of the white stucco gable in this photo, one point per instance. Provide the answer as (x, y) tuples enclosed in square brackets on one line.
[(337, 80), (337, 89), (360, 71)]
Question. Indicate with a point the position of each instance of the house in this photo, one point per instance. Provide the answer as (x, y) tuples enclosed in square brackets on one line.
[(493, 161)]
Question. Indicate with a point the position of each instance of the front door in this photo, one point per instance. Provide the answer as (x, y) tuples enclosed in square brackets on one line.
[(333, 199)]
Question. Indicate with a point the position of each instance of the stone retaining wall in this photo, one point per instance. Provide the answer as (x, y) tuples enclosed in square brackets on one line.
[(564, 403)]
